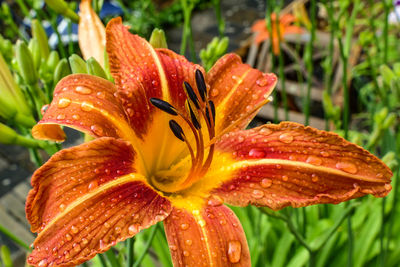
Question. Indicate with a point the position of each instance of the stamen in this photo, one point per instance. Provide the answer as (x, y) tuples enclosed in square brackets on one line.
[(194, 119), (201, 84), (192, 94), (163, 105), (177, 130)]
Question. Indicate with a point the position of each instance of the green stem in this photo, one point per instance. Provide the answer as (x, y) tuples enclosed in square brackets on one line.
[(15, 239), (111, 257), (35, 157), (147, 246), (103, 260), (131, 247), (218, 14), (382, 234), (386, 5), (393, 211)]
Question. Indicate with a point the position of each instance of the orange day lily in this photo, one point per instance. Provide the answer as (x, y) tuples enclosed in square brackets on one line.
[(285, 27), (171, 146)]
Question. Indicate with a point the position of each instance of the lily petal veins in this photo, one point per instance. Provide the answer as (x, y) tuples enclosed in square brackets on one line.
[(137, 172)]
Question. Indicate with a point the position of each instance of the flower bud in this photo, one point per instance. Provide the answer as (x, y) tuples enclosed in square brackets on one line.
[(8, 136), (62, 8), (52, 61), (93, 67), (5, 256), (157, 39), (25, 63), (78, 65), (39, 34), (61, 70), (35, 51), (222, 46)]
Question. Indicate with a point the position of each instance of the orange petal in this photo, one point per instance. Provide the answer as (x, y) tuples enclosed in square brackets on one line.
[(74, 172), (212, 236), (293, 165), (86, 103), (140, 73), (87, 198), (236, 88), (91, 33), (259, 26)]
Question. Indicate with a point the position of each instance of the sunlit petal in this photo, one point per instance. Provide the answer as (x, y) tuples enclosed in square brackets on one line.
[(212, 236)]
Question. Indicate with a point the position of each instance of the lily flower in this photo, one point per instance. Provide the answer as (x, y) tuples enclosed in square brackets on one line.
[(285, 27), (171, 146)]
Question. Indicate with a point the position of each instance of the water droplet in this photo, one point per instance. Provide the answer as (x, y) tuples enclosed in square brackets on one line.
[(60, 117), (347, 167), (388, 187), (234, 251), (314, 178), (324, 154), (186, 253), (74, 229), (101, 95), (101, 244), (118, 229), (257, 194), (214, 92), (76, 247), (314, 160), (133, 229), (184, 226), (265, 183), (265, 131), (173, 247), (63, 102), (92, 185), (257, 153), (44, 109), (91, 217), (215, 201), (285, 178), (42, 263), (379, 175), (222, 222), (86, 106), (62, 207), (98, 130), (262, 81), (75, 117), (107, 225), (240, 139), (83, 90), (68, 237), (286, 138), (202, 223), (84, 241)]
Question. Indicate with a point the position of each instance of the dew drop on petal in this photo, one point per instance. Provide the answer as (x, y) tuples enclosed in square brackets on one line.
[(75, 117), (214, 92), (262, 81), (314, 178), (83, 90), (44, 109), (257, 194), (234, 251), (86, 106), (98, 130), (74, 229), (314, 160), (101, 244), (347, 167), (118, 229), (84, 241), (285, 178), (265, 183), (257, 153), (92, 185), (240, 139), (286, 138), (215, 201), (188, 242), (42, 263), (184, 226), (63, 102), (173, 247), (60, 117), (388, 187), (68, 237), (324, 153), (107, 225), (132, 229), (265, 131), (186, 253), (62, 207), (101, 95), (76, 247)]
